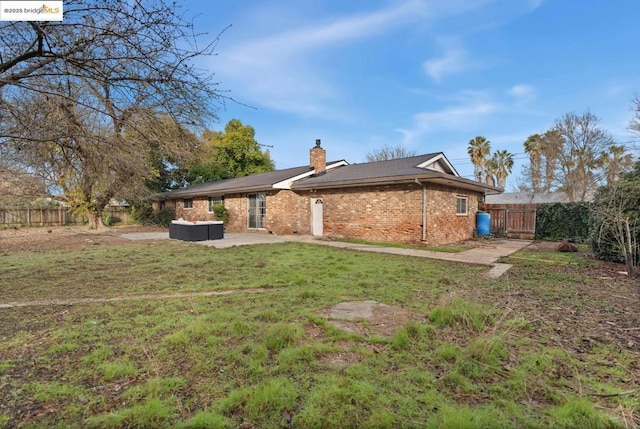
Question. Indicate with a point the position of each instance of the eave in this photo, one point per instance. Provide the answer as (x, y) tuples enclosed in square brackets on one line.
[(437, 178)]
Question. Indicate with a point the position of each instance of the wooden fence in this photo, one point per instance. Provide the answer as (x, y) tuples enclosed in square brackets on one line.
[(513, 220), (50, 216)]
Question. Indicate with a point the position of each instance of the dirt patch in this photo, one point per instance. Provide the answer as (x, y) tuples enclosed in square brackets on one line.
[(602, 310), (370, 318), (43, 239)]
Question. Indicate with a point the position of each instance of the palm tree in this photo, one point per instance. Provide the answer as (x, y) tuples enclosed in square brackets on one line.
[(478, 150), (551, 147), (504, 164), (491, 169), (615, 162), (533, 147)]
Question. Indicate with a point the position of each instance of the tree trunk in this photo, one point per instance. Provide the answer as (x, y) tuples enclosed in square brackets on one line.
[(95, 220), (629, 254)]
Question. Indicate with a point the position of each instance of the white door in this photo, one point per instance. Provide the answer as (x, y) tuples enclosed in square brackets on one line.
[(316, 217)]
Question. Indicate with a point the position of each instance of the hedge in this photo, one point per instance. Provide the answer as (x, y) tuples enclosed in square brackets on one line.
[(563, 221)]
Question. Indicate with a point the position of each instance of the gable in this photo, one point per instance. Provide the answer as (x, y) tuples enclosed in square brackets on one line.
[(439, 163)]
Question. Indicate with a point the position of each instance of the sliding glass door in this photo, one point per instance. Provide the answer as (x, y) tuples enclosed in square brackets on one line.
[(257, 210)]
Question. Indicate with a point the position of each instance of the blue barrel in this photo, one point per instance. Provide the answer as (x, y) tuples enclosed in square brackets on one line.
[(483, 223)]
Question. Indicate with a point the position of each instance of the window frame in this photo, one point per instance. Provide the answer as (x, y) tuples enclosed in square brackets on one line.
[(460, 198), (212, 201), (190, 205)]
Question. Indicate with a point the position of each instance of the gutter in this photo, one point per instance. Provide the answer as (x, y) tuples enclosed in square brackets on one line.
[(441, 178), (424, 209)]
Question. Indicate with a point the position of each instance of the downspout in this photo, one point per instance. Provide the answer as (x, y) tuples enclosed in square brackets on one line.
[(424, 209)]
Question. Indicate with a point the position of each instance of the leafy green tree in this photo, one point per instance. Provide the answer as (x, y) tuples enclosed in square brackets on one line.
[(233, 152), (478, 150)]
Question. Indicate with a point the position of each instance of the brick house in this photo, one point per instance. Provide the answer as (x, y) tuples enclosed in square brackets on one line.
[(416, 199)]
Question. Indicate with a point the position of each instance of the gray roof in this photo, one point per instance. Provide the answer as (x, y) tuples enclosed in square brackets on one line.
[(252, 183), (527, 198), (368, 171), (401, 170)]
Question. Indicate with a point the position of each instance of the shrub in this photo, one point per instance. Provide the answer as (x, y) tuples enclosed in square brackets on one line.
[(107, 219), (163, 217), (221, 212), (143, 213), (563, 221)]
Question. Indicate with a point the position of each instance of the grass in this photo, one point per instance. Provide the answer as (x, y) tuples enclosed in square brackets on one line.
[(262, 360), (446, 248)]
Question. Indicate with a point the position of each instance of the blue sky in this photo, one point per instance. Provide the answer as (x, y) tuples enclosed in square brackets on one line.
[(429, 74)]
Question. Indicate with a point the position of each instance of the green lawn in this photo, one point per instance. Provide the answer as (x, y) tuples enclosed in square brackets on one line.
[(485, 357)]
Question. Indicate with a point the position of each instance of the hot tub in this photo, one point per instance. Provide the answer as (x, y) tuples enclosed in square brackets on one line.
[(198, 231)]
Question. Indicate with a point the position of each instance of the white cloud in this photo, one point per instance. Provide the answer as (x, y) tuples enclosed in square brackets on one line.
[(454, 61), (469, 110), (457, 118), (534, 4), (522, 93), (282, 68), (275, 71)]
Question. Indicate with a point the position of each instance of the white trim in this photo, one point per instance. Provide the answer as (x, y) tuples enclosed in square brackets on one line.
[(441, 159), (466, 205), (287, 183)]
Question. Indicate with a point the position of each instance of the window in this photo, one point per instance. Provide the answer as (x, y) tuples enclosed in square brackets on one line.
[(213, 201), (188, 203), (461, 205)]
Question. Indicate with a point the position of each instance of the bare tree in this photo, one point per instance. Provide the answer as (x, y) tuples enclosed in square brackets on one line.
[(618, 221), (579, 161), (86, 95), (82, 161), (389, 152), (634, 126), (18, 186)]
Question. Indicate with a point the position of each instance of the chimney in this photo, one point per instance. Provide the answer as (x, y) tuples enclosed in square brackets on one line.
[(318, 158)]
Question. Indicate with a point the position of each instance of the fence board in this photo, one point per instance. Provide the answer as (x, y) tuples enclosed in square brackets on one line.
[(51, 216), (513, 220)]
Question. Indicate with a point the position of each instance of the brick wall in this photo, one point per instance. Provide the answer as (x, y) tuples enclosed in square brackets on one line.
[(288, 213), (394, 213), (443, 225), (376, 213), (198, 212), (380, 213)]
